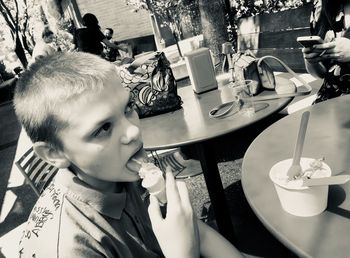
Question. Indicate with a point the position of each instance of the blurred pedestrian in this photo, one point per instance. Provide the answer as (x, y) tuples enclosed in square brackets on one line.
[(108, 53), (43, 46), (90, 38)]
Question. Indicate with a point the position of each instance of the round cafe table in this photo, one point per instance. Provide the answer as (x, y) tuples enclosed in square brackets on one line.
[(328, 135), (191, 125)]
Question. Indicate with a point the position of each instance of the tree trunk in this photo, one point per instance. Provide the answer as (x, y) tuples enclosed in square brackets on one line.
[(214, 26), (19, 50)]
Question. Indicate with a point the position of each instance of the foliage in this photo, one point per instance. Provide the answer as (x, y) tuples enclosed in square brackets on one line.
[(169, 12), (172, 11), (191, 19), (23, 21), (15, 16), (64, 36), (244, 8)]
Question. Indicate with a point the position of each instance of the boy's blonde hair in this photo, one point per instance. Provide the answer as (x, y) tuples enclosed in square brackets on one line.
[(46, 87)]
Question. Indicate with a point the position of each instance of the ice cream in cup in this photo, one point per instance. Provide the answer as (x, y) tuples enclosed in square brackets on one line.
[(295, 198)]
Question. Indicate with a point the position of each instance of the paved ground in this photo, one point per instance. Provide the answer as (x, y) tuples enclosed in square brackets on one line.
[(253, 239)]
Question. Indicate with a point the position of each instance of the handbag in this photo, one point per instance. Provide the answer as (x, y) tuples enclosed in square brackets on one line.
[(153, 89), (282, 90), (251, 68), (247, 67)]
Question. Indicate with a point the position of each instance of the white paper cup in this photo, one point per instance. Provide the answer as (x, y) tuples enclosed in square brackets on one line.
[(301, 201)]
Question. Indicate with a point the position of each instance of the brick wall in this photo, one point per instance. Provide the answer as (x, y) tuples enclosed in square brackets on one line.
[(117, 15)]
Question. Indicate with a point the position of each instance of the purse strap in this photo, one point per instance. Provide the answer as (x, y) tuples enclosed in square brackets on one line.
[(289, 70)]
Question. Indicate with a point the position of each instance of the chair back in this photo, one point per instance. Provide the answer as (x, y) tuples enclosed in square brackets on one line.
[(37, 172)]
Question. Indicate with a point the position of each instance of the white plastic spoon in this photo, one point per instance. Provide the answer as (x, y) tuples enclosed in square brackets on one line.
[(332, 180), (295, 169)]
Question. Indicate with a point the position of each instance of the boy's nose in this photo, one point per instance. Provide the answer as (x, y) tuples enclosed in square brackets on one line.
[(132, 133)]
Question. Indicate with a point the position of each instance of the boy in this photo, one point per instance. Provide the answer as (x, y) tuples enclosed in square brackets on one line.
[(77, 114), (108, 53)]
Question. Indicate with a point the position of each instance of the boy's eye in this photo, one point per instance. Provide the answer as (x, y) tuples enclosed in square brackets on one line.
[(103, 130)]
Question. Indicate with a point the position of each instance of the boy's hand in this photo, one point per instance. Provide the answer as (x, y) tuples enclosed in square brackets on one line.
[(177, 233)]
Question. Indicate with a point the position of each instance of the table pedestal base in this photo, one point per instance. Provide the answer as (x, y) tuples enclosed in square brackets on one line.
[(216, 191)]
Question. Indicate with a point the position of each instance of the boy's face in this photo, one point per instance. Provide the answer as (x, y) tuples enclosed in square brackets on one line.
[(103, 134)]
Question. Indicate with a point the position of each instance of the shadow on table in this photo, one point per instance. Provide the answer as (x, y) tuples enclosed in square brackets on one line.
[(337, 195)]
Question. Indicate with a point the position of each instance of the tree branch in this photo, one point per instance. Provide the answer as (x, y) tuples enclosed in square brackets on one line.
[(17, 23), (8, 12), (6, 18)]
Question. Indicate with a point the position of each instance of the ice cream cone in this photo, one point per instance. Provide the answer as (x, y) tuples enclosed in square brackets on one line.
[(161, 196), (153, 181)]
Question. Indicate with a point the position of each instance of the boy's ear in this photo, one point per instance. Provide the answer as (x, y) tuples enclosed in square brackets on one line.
[(51, 155)]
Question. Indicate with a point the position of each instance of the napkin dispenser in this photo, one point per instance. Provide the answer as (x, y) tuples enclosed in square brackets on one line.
[(201, 70)]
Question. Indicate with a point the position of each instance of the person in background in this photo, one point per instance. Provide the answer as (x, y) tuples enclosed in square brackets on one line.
[(92, 208), (330, 60), (90, 38), (110, 54), (43, 46)]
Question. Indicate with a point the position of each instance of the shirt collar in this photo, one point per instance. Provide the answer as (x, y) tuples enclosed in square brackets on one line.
[(106, 203)]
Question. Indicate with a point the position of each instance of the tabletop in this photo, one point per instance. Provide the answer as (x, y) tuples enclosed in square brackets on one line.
[(192, 124), (328, 136)]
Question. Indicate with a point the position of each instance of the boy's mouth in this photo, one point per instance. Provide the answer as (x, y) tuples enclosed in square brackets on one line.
[(134, 163)]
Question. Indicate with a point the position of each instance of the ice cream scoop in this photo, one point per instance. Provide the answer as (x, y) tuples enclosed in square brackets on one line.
[(153, 181)]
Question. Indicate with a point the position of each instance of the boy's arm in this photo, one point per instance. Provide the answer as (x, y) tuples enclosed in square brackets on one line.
[(212, 244), (177, 232)]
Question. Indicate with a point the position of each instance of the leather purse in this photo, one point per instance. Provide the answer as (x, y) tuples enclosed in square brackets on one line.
[(246, 66), (282, 90)]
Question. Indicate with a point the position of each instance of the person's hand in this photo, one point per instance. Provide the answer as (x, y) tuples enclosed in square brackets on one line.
[(312, 54), (124, 47), (177, 233), (338, 50)]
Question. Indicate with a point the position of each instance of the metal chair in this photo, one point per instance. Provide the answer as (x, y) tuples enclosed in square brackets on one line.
[(37, 172)]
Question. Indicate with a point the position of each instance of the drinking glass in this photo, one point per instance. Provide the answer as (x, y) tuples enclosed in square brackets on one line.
[(243, 92)]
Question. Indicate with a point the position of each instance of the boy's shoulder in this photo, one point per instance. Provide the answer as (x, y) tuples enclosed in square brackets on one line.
[(56, 220), (42, 231), (69, 213)]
